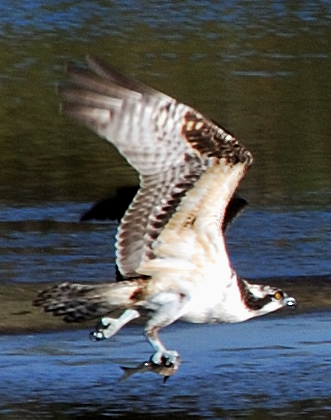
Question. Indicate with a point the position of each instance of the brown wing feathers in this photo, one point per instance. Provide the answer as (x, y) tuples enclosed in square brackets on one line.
[(211, 140), (169, 143)]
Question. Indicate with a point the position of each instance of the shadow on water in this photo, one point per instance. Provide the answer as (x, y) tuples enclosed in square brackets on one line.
[(46, 244)]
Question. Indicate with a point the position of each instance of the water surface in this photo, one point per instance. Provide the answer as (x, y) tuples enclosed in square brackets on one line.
[(48, 243), (262, 70), (279, 367)]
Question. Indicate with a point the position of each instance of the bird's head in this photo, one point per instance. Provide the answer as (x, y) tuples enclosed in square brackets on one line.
[(261, 300)]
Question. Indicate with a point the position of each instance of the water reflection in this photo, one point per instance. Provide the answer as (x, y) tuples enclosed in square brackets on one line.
[(259, 68)]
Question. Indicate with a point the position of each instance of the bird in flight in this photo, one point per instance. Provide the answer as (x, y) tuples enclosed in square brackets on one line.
[(170, 246)]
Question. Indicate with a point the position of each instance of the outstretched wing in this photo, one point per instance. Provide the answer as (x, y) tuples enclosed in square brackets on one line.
[(170, 145)]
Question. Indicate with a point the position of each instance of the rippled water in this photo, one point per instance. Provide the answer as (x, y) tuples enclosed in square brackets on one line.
[(49, 244), (232, 371), (277, 366), (261, 69)]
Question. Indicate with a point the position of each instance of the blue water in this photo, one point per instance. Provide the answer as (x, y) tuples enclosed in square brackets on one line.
[(262, 69), (47, 243), (268, 362), (281, 243), (70, 15)]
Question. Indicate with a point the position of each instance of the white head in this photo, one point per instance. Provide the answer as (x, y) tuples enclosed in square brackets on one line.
[(260, 300)]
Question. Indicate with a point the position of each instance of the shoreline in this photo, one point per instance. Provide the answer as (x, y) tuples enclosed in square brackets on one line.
[(18, 316)]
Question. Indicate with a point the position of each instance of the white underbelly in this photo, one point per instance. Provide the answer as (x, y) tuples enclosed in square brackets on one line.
[(201, 307), (217, 305)]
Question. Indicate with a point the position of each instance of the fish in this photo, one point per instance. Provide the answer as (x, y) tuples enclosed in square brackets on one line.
[(166, 369)]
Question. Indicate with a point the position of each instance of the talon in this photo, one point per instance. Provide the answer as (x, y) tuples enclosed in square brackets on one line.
[(106, 328), (101, 326), (97, 336), (103, 323), (166, 362), (169, 359)]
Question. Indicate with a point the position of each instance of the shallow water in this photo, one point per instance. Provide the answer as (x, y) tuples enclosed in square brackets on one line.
[(261, 69), (275, 365)]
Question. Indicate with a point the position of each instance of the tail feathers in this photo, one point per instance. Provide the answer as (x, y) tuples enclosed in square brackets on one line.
[(79, 302), (74, 302)]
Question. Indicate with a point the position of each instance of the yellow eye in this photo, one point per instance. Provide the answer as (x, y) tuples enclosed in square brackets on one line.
[(278, 295)]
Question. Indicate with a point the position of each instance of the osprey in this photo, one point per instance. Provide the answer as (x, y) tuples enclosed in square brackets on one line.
[(170, 247)]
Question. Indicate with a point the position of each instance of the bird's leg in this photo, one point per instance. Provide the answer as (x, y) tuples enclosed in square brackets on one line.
[(107, 327), (170, 308), (162, 356)]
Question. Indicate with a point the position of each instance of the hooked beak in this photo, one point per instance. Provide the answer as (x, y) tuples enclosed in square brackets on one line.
[(290, 302)]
